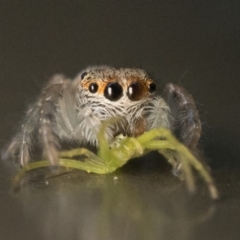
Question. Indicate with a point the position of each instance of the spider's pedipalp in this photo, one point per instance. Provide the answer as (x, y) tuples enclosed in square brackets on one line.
[(158, 114)]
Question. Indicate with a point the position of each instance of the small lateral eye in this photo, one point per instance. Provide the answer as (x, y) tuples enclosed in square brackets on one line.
[(152, 87), (113, 91), (136, 91), (93, 87), (83, 75)]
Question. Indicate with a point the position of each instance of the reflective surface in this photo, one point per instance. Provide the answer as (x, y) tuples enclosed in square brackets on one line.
[(192, 44), (124, 205)]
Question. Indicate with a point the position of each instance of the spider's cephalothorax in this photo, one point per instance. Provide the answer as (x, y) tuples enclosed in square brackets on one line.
[(125, 98), (124, 95)]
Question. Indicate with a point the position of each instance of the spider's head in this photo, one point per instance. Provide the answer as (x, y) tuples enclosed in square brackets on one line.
[(116, 85), (119, 93)]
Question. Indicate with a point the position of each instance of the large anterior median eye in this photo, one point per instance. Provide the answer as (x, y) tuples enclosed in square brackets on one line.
[(113, 91), (136, 91)]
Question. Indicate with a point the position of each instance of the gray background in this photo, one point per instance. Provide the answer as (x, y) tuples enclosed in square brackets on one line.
[(192, 43)]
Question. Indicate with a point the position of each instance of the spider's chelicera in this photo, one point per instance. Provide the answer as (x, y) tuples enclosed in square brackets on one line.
[(100, 105)]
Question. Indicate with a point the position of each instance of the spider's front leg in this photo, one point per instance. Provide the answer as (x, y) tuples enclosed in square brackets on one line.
[(185, 121), (40, 120)]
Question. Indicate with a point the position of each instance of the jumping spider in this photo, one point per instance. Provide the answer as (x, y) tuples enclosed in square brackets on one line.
[(102, 103)]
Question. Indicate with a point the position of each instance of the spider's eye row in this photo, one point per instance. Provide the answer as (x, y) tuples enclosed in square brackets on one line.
[(113, 91), (136, 91), (93, 87), (152, 87), (83, 75)]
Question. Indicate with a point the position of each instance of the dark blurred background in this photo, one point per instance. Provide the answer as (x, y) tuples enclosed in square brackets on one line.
[(191, 43)]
